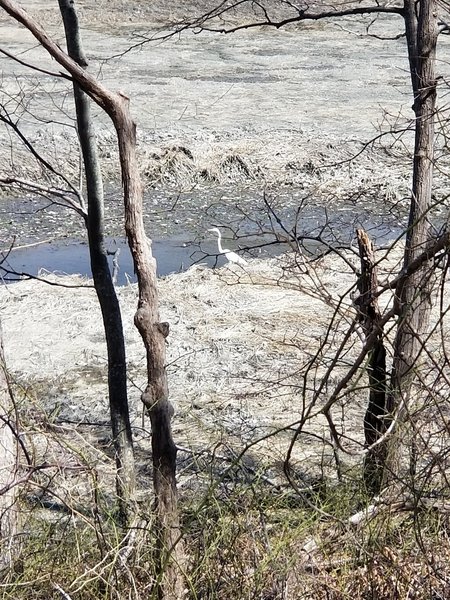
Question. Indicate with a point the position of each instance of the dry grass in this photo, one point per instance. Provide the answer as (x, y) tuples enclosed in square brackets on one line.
[(243, 544), (187, 160), (238, 338), (240, 341)]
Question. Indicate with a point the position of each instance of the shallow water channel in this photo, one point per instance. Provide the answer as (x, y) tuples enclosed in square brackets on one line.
[(72, 257), (173, 255), (52, 239)]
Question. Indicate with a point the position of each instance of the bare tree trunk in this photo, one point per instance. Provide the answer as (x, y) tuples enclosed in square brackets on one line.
[(171, 583), (413, 294), (104, 286), (413, 297), (9, 513), (156, 395), (410, 19), (376, 413)]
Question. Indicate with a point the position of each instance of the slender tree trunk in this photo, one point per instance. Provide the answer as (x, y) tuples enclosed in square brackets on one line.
[(171, 559), (410, 19), (413, 297), (170, 555), (413, 294), (112, 319), (9, 512)]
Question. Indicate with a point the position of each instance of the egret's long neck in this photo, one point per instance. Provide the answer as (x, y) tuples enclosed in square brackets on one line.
[(219, 243)]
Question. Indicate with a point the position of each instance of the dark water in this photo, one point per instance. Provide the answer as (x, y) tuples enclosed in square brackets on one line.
[(176, 254), (70, 258), (31, 220), (173, 255)]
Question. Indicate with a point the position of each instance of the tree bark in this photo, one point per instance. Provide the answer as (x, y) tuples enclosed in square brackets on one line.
[(156, 395), (376, 413), (413, 296), (9, 512), (104, 286), (410, 19)]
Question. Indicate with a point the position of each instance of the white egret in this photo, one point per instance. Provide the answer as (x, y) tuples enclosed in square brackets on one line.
[(229, 255)]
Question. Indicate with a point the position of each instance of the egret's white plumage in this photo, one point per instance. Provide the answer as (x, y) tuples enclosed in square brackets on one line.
[(229, 255)]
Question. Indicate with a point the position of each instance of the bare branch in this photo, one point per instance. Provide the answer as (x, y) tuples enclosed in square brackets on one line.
[(442, 243), (46, 190), (303, 15), (34, 67), (23, 275), (5, 118), (99, 93)]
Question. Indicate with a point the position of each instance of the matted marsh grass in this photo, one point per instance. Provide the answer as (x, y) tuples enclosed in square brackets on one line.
[(238, 339), (239, 343)]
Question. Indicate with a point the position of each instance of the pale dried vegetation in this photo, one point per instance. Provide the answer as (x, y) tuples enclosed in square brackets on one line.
[(240, 342), (288, 159), (248, 348)]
